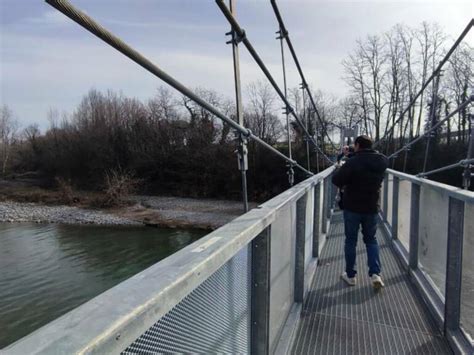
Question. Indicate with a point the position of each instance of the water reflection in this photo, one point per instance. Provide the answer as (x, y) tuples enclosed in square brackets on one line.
[(47, 270)]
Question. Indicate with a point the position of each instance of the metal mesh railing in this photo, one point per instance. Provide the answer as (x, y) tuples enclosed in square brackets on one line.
[(232, 291), (434, 239), (214, 318)]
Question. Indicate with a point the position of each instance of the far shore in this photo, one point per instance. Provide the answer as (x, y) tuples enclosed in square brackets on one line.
[(169, 212), (25, 200)]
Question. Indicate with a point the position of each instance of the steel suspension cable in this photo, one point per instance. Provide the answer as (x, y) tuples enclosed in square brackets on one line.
[(242, 37), (92, 26), (461, 163), (242, 147), (467, 174), (304, 83), (427, 82), (434, 103), (288, 128), (306, 118), (413, 141)]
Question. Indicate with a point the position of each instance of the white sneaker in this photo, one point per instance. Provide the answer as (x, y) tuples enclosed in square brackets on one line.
[(377, 282), (351, 281)]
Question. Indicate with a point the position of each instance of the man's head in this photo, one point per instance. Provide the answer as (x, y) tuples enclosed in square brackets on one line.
[(345, 150), (362, 142)]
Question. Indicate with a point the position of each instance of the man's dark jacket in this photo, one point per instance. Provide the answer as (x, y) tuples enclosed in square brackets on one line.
[(361, 177)]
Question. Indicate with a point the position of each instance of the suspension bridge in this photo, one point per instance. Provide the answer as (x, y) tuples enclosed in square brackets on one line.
[(268, 282)]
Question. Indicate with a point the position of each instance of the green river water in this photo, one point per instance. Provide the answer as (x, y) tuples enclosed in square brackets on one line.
[(47, 270)]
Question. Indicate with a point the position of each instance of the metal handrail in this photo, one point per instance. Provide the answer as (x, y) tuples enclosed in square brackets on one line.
[(442, 298), (455, 192), (101, 326)]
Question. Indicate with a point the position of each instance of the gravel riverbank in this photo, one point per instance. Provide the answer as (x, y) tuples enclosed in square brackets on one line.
[(178, 212), (171, 212), (32, 212)]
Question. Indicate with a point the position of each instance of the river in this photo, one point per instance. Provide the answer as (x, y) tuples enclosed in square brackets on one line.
[(47, 270)]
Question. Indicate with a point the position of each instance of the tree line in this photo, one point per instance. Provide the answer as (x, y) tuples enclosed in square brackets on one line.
[(385, 71), (168, 142), (176, 147)]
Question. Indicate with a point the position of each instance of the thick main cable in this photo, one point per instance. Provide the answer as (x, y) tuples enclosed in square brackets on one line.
[(459, 108), (461, 163), (426, 83), (92, 26), (304, 83), (241, 33)]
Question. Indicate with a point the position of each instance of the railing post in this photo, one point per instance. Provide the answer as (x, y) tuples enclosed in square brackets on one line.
[(316, 219), (385, 197), (328, 200), (452, 306), (300, 247), (331, 197), (414, 225), (260, 294), (324, 211), (395, 197)]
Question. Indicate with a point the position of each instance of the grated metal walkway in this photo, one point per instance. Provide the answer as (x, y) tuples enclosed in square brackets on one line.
[(338, 319)]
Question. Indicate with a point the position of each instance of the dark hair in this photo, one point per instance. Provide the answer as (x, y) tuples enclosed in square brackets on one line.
[(364, 142)]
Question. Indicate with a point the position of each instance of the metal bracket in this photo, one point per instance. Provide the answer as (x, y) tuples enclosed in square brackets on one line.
[(288, 109), (236, 37), (242, 151), (291, 174), (281, 34)]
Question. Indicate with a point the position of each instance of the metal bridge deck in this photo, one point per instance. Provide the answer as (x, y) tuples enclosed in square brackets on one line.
[(338, 319)]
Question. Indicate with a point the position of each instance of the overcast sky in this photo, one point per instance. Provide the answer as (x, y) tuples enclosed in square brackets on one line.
[(49, 61)]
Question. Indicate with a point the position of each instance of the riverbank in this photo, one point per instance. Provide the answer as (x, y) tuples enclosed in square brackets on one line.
[(171, 212), (27, 200), (178, 212), (14, 212)]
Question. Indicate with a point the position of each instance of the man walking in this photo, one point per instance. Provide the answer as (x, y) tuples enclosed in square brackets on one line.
[(361, 177)]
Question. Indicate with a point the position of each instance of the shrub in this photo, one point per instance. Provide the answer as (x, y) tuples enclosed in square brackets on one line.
[(65, 190), (118, 186)]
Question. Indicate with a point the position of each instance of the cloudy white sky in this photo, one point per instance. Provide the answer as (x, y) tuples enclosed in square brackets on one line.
[(49, 61)]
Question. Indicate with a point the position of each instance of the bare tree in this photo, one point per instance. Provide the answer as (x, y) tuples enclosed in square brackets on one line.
[(355, 77), (406, 36), (430, 39), (8, 132), (163, 105), (349, 112), (460, 79), (260, 114), (394, 85)]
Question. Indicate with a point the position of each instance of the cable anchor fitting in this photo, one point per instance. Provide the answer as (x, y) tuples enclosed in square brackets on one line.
[(242, 151), (236, 37), (282, 34), (288, 110), (291, 172)]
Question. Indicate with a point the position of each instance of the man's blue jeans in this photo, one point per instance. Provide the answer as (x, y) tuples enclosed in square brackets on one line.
[(352, 221)]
